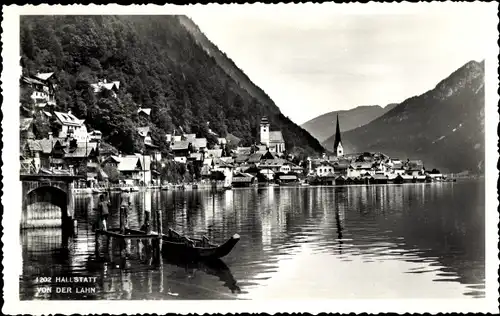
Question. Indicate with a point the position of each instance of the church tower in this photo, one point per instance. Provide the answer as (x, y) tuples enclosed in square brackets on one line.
[(338, 150), (264, 131)]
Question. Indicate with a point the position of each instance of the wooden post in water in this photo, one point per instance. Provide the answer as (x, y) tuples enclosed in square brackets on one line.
[(159, 229), (110, 245), (97, 244), (147, 222), (122, 220)]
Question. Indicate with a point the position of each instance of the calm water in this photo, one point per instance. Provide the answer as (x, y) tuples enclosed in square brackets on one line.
[(388, 241)]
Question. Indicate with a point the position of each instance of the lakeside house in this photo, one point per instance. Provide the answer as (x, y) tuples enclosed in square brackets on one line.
[(144, 113), (200, 144), (43, 86), (36, 154), (100, 86), (71, 126), (134, 169), (225, 168), (241, 179)]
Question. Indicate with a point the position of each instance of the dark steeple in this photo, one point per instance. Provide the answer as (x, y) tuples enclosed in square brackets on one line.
[(337, 136)]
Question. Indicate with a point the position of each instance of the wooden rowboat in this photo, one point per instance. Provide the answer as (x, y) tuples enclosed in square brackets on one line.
[(181, 247), (196, 249)]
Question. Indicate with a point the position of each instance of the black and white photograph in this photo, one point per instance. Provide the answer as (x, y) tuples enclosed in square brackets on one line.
[(242, 154)]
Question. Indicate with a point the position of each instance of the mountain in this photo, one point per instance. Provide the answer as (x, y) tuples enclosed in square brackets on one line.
[(444, 126), (162, 62), (323, 126)]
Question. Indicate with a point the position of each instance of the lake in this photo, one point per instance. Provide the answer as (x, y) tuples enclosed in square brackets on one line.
[(378, 241)]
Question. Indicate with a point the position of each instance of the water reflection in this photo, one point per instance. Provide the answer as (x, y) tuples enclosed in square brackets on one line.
[(296, 240)]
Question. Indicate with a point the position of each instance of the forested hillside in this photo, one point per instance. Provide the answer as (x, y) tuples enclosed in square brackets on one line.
[(444, 126), (160, 65)]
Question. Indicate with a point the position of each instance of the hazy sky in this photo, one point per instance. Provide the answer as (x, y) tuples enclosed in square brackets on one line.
[(312, 59)]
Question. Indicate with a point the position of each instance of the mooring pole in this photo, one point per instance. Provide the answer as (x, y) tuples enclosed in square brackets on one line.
[(147, 221), (122, 220), (160, 231), (97, 244)]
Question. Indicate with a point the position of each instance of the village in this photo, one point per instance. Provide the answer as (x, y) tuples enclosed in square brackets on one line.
[(75, 150)]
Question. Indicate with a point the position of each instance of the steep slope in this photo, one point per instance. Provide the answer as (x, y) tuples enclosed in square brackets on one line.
[(444, 126), (323, 126), (160, 64)]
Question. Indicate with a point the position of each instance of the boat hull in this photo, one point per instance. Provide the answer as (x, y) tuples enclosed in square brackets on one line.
[(184, 251)]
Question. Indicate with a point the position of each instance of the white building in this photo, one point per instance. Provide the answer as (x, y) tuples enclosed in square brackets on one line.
[(43, 88), (272, 139), (71, 126)]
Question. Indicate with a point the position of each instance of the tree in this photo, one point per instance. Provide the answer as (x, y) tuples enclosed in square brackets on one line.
[(112, 172)]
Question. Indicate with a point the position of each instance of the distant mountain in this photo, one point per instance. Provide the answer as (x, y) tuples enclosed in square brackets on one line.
[(444, 126), (323, 126)]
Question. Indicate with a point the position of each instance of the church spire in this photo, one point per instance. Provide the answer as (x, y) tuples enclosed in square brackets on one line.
[(337, 146)]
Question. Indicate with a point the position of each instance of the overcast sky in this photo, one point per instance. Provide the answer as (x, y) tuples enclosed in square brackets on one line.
[(313, 59)]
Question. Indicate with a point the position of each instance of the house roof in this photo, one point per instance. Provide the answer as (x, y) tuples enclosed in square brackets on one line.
[(143, 131), (241, 158), (227, 159), (190, 137), (243, 175), (43, 145), (276, 137), (255, 158), (168, 137), (215, 153), (273, 162), (46, 145), (82, 150), (78, 152), (241, 179), (232, 139), (266, 171), (405, 176), (105, 85), (113, 159), (176, 138), (362, 165), (207, 161), (105, 148), (221, 163), (33, 145), (415, 165), (200, 143), (397, 165), (243, 150), (128, 163), (145, 161), (146, 111), (196, 156), (180, 145), (44, 76), (30, 80), (68, 119), (288, 177), (25, 123), (341, 165)]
